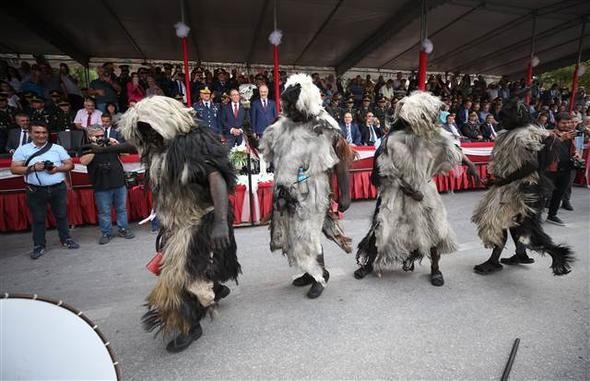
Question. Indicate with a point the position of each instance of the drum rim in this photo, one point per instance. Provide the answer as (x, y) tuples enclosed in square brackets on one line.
[(78, 313)]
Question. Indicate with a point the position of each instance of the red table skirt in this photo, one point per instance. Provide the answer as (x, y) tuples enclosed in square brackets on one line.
[(15, 215)]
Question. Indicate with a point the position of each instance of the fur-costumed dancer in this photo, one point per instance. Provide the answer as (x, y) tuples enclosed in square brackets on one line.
[(410, 220), (190, 175), (516, 197), (305, 146)]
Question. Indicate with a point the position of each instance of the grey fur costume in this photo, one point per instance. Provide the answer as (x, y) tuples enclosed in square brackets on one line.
[(303, 139), (403, 229), (178, 155)]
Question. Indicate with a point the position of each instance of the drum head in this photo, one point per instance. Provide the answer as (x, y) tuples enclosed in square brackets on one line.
[(42, 339)]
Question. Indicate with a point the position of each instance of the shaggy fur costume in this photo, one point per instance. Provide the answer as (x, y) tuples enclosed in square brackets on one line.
[(307, 137), (516, 199), (404, 229), (178, 155)]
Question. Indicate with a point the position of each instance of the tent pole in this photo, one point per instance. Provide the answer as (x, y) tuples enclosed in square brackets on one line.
[(577, 68), (275, 75), (187, 78), (423, 57), (529, 71), (275, 64)]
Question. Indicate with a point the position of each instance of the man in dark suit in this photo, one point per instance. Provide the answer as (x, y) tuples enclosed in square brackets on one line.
[(463, 112), (110, 131), (263, 111), (371, 132), (350, 130), (233, 117), (19, 136), (221, 85)]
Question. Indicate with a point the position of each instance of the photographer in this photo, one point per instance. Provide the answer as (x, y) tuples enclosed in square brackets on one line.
[(106, 173), (44, 165), (562, 153)]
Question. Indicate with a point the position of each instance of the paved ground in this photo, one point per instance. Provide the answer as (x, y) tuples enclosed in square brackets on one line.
[(394, 327)]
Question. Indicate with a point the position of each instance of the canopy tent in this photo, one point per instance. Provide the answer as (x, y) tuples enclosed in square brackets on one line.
[(489, 37)]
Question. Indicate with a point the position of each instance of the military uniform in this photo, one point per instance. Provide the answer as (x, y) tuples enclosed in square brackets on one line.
[(211, 115), (7, 117), (336, 112), (62, 121)]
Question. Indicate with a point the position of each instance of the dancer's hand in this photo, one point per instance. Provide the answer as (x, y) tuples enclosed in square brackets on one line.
[(472, 171), (220, 236), (414, 194), (417, 195), (344, 204)]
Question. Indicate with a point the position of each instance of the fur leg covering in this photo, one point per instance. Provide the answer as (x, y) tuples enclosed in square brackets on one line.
[(533, 237), (184, 291)]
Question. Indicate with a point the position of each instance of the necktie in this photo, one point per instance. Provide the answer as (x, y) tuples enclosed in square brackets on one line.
[(264, 103), (372, 134), (236, 110), (348, 134), (89, 119), (207, 105), (24, 139)]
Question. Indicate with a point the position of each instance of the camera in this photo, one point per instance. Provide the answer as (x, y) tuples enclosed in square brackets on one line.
[(48, 165), (103, 142)]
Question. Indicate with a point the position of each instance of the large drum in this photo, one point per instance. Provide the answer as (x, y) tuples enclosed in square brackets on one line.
[(43, 339)]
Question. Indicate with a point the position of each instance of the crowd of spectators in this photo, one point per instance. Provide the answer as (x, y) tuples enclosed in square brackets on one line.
[(53, 95)]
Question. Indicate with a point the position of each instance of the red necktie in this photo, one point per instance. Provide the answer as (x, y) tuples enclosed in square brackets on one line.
[(89, 120), (236, 110)]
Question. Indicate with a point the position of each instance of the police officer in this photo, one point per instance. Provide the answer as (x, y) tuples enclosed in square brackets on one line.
[(208, 111)]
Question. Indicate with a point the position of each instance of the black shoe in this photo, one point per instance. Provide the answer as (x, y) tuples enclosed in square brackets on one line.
[(363, 271), (70, 244), (565, 204), (303, 280), (181, 342), (555, 220), (315, 290), (436, 279), (38, 252), (221, 291), (517, 259), (124, 233)]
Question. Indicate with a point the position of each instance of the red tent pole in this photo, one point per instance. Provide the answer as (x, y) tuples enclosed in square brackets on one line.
[(275, 76), (423, 62), (529, 80), (574, 88), (575, 78), (187, 78)]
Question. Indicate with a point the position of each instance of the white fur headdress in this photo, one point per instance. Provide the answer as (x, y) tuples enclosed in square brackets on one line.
[(420, 110), (310, 98), (167, 116)]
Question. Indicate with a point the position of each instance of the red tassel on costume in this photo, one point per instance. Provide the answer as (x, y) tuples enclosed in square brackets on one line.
[(155, 263)]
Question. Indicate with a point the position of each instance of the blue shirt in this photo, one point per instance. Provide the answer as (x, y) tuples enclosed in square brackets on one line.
[(56, 154)]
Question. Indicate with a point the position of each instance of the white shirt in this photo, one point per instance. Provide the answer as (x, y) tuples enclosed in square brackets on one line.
[(264, 102), (82, 117)]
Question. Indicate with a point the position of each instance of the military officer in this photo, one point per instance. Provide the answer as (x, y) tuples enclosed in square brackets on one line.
[(208, 111)]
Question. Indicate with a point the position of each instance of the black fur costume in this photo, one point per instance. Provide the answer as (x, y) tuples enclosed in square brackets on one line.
[(179, 154), (516, 197)]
